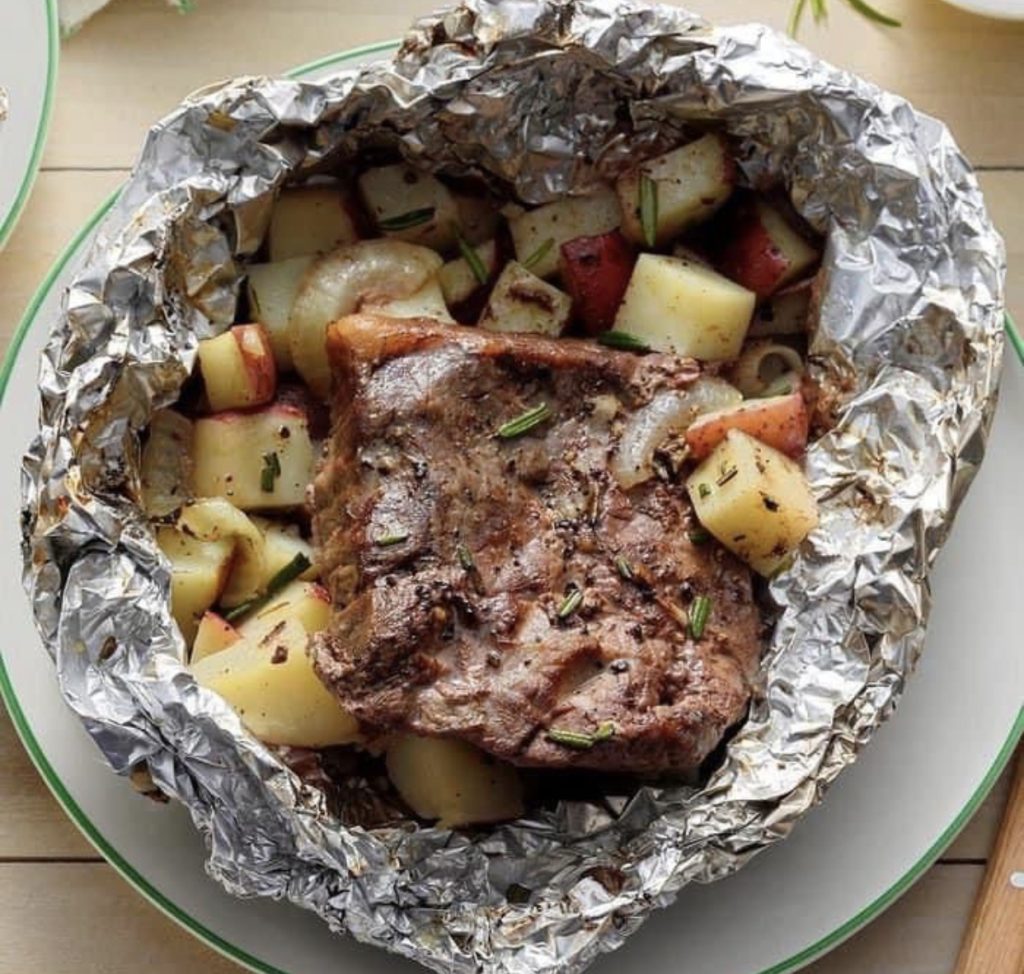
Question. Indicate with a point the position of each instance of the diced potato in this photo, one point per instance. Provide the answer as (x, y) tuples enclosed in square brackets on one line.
[(753, 499), (691, 183), (306, 602), (281, 543), (199, 572), (779, 421), (215, 519), (764, 251), (676, 306), (521, 301), (272, 289), (238, 368), (441, 778), (166, 479), (232, 451), (310, 220), (273, 688), (410, 205), (596, 273), (538, 234), (427, 302), (458, 281), (479, 217), (215, 633), (361, 277)]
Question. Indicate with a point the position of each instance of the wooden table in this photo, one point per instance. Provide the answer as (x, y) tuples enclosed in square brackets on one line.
[(62, 909)]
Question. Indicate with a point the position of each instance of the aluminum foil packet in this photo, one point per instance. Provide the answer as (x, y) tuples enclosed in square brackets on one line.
[(544, 97)]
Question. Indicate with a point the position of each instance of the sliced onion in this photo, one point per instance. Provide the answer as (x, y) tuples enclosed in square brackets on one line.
[(666, 414), (761, 364)]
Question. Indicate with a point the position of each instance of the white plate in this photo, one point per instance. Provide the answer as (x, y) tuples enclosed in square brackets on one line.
[(885, 821), (1004, 9), (29, 41)]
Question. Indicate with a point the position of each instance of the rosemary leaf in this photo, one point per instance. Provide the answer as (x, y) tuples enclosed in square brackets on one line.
[(539, 254), (700, 610), (572, 601), (525, 422), (699, 535), (390, 539), (624, 568), (270, 472), (465, 557), (406, 221), (471, 257), (289, 573), (623, 340), (649, 209), (580, 740)]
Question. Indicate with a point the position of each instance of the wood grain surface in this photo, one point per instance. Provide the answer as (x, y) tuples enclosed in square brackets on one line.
[(131, 64)]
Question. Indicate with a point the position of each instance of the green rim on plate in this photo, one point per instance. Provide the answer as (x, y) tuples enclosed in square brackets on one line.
[(32, 170), (237, 954)]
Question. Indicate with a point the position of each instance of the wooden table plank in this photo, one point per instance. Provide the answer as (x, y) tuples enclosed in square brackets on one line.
[(107, 97), (49, 916), (32, 824)]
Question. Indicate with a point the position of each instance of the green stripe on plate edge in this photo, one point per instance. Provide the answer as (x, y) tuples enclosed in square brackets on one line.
[(233, 952)]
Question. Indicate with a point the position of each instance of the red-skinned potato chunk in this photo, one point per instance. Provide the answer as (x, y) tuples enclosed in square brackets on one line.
[(779, 421), (238, 368), (596, 271), (763, 251)]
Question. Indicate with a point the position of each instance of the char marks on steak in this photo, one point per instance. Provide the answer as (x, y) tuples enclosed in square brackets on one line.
[(449, 552)]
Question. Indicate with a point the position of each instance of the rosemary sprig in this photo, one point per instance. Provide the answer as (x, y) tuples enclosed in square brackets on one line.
[(525, 422), (406, 221), (391, 538), (624, 568), (700, 610), (648, 192), (572, 601), (289, 573), (471, 257), (819, 11), (580, 740), (465, 557), (539, 254), (270, 472), (623, 340)]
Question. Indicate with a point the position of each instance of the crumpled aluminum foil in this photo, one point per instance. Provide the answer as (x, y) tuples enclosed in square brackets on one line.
[(546, 97)]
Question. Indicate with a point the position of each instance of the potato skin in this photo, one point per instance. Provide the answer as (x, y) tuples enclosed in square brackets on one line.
[(596, 272), (780, 421)]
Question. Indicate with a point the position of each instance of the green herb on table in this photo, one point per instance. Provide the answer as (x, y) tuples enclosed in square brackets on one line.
[(525, 422), (819, 11), (270, 472), (406, 221), (289, 573)]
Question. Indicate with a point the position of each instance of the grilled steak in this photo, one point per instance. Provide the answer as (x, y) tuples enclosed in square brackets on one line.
[(497, 584)]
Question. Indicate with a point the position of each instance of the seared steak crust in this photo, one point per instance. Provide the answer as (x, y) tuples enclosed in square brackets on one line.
[(452, 555)]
